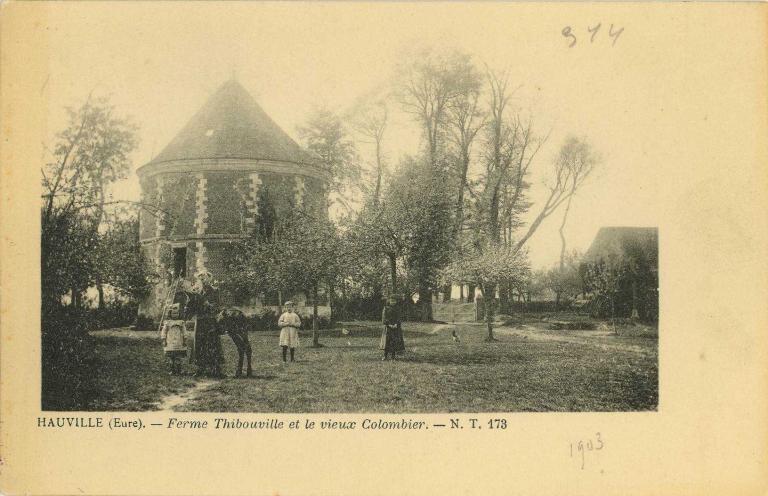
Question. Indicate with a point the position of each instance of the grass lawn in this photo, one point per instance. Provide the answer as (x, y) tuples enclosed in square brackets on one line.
[(133, 374), (534, 370)]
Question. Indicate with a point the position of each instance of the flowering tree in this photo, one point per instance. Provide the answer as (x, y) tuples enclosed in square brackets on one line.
[(302, 254), (485, 269)]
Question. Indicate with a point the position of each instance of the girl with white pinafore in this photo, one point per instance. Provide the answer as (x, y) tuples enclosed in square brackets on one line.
[(289, 323)]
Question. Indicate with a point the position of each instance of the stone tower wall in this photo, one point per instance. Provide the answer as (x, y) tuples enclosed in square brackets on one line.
[(207, 211)]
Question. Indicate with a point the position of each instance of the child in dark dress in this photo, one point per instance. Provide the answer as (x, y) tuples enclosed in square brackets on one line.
[(392, 334)]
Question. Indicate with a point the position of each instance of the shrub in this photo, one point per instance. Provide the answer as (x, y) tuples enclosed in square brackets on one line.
[(68, 360), (264, 321), (113, 314), (144, 323), (323, 322), (541, 306), (359, 308)]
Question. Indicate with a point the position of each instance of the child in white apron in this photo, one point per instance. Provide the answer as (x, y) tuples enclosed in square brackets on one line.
[(289, 323), (174, 343)]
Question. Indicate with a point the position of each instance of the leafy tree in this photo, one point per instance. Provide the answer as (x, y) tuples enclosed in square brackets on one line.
[(397, 232), (604, 278), (302, 254), (625, 281), (89, 154), (565, 279), (325, 135), (411, 193), (121, 262), (440, 90), (312, 249), (68, 247)]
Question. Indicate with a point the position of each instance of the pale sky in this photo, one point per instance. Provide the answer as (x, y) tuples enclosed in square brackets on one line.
[(160, 66)]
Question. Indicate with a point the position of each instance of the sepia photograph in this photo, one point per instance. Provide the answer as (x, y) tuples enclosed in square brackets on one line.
[(383, 248), (418, 226)]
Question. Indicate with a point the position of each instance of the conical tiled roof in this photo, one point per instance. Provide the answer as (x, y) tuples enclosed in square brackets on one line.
[(232, 125)]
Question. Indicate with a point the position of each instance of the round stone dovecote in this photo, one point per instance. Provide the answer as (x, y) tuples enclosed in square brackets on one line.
[(229, 171)]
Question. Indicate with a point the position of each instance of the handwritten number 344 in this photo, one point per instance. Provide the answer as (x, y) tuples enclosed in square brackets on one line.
[(612, 33)]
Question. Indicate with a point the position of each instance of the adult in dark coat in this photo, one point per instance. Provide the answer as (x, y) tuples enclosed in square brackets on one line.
[(392, 334), (204, 306)]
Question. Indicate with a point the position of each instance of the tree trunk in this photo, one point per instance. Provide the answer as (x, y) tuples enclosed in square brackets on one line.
[(377, 190), (489, 301), (459, 210), (635, 314), (447, 292), (562, 233), (100, 289), (393, 272), (461, 293), (471, 293), (315, 334), (504, 297), (343, 300), (425, 303), (331, 300)]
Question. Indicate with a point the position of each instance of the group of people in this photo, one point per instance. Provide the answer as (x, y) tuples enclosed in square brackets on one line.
[(201, 302)]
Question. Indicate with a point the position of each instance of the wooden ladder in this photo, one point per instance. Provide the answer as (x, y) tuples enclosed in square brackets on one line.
[(170, 295)]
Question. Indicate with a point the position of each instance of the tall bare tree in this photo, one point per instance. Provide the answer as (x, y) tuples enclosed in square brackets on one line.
[(511, 147), (577, 157), (571, 168), (370, 121), (429, 84), (465, 119)]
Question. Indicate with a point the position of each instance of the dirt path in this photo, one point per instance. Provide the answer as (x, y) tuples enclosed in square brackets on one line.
[(126, 332), (172, 401), (598, 338), (440, 327)]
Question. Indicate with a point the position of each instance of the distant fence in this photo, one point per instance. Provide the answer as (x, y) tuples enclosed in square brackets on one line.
[(454, 312)]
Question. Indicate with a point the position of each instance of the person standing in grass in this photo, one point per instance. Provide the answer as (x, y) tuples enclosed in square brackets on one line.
[(289, 323), (392, 335), (208, 353)]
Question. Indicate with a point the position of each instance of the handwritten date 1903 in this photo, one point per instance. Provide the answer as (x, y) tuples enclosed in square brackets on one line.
[(580, 448)]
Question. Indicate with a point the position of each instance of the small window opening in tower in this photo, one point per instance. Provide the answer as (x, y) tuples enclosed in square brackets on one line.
[(180, 262)]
